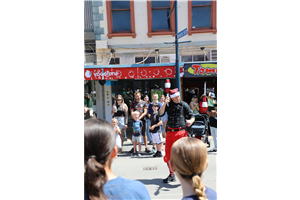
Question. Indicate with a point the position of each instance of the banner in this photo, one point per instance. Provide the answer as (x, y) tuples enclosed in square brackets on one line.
[(200, 70), (131, 73)]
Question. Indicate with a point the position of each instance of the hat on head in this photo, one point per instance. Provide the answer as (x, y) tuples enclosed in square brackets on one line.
[(174, 93), (213, 95), (194, 96)]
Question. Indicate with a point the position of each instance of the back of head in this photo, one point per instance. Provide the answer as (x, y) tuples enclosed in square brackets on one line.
[(99, 141), (189, 156)]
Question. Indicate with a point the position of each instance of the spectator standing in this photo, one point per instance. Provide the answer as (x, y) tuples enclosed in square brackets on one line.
[(120, 112), (87, 113), (142, 107), (212, 114), (189, 161), (147, 119), (99, 153), (164, 118), (150, 110), (155, 129), (194, 105), (137, 126), (211, 101)]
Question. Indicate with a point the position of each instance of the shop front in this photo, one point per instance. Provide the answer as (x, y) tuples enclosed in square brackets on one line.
[(111, 80), (199, 78), (107, 81)]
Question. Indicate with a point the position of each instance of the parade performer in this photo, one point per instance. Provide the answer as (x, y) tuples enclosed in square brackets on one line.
[(180, 116)]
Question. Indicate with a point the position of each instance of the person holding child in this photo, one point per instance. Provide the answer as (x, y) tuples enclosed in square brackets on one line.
[(120, 112), (137, 126), (188, 162), (155, 129)]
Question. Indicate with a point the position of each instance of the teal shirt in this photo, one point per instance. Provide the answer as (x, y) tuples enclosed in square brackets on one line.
[(210, 102)]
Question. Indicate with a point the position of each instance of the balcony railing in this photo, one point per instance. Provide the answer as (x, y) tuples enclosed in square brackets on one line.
[(88, 15)]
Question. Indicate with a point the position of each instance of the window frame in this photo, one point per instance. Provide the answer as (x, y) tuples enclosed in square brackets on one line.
[(213, 17), (160, 32), (110, 32)]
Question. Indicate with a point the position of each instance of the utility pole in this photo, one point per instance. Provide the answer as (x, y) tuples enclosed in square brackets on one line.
[(181, 34), (178, 85)]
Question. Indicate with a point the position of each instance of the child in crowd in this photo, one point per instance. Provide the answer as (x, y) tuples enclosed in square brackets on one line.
[(189, 161), (155, 129), (114, 123), (137, 133)]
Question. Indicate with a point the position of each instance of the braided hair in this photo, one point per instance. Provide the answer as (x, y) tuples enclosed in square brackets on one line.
[(189, 156)]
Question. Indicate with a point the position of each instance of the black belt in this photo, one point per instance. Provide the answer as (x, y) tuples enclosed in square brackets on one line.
[(175, 129)]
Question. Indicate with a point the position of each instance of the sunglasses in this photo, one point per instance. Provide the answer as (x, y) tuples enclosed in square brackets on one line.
[(119, 99)]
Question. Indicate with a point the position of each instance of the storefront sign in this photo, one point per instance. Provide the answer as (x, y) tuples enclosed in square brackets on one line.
[(131, 73), (200, 69)]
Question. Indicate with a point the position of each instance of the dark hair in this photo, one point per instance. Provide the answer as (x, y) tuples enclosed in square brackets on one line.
[(99, 141), (155, 105)]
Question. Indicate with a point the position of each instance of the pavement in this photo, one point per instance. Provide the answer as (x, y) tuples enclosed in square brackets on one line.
[(150, 171)]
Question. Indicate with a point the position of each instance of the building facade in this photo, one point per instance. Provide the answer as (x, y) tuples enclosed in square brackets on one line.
[(123, 38)]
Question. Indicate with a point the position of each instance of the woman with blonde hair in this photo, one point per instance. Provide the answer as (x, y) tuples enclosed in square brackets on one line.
[(120, 112), (189, 161)]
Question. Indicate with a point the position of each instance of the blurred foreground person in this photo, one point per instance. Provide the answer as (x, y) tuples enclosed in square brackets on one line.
[(189, 161), (99, 152)]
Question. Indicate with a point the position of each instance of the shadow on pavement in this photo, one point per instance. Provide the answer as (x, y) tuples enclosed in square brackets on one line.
[(145, 155), (160, 183)]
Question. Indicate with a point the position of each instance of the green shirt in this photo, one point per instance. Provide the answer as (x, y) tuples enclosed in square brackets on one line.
[(210, 102)]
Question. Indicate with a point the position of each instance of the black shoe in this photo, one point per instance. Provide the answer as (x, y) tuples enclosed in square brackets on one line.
[(157, 154), (170, 178), (131, 151), (147, 150)]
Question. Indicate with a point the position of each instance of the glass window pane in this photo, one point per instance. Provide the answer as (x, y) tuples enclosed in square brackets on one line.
[(121, 21), (150, 60), (201, 17), (159, 4), (186, 59), (113, 60), (120, 5), (160, 20), (138, 59), (198, 57), (196, 3)]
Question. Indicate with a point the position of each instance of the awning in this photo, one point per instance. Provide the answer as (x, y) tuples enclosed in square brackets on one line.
[(134, 71), (200, 69)]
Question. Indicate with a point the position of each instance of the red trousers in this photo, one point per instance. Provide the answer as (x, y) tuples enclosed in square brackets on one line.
[(170, 139)]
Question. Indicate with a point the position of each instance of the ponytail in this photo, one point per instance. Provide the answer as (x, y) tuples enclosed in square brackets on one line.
[(198, 187), (95, 178)]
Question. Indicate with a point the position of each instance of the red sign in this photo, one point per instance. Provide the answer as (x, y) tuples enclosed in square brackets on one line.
[(131, 73)]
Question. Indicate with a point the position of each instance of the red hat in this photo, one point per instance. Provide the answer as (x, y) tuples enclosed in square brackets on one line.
[(174, 93)]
